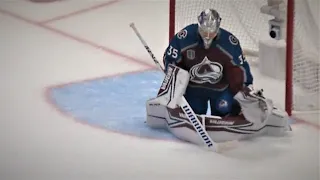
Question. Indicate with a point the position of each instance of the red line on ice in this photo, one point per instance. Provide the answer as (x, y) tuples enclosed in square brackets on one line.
[(81, 11)]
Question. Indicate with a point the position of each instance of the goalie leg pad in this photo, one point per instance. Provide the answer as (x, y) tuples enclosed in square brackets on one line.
[(174, 120), (262, 113), (278, 118), (220, 129), (156, 114)]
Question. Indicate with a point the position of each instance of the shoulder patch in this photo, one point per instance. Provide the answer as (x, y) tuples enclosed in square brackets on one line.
[(233, 40), (182, 34), (191, 54)]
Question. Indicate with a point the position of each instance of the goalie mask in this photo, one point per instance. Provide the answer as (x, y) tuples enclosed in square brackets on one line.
[(209, 24)]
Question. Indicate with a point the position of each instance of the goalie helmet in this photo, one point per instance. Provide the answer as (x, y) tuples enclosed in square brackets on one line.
[(208, 26)]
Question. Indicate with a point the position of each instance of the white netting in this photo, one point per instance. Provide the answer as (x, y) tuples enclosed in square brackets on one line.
[(243, 18)]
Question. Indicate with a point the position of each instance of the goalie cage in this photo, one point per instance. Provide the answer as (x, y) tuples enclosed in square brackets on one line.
[(244, 19)]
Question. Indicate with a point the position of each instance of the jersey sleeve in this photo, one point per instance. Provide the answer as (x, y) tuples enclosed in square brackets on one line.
[(172, 54), (240, 61), (183, 39)]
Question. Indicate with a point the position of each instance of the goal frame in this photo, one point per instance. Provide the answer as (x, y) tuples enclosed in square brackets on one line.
[(289, 48)]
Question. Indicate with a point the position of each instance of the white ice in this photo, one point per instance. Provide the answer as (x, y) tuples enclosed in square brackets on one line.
[(38, 142)]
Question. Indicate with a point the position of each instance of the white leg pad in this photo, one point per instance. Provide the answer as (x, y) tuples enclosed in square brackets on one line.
[(156, 114)]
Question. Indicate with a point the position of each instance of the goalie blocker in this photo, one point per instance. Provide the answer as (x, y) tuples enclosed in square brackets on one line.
[(258, 117)]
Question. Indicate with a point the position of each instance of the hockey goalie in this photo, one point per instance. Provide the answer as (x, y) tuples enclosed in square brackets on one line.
[(204, 65)]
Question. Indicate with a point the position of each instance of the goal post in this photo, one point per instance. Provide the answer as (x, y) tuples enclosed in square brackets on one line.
[(289, 57), (244, 19)]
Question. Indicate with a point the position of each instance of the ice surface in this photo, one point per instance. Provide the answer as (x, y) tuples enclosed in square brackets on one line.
[(39, 142)]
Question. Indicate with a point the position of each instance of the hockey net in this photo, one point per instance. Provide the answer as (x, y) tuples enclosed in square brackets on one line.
[(244, 19)]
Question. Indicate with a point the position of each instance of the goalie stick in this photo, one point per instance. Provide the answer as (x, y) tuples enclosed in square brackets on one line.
[(183, 103)]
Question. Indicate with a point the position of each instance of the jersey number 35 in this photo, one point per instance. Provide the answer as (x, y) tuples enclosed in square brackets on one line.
[(172, 52)]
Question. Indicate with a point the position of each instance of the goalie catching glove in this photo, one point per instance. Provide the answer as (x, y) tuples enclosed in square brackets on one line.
[(254, 106)]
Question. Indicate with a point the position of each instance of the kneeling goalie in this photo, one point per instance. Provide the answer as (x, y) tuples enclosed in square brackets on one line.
[(204, 63)]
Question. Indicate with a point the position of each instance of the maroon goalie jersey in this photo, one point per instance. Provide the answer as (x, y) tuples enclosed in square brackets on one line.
[(220, 67)]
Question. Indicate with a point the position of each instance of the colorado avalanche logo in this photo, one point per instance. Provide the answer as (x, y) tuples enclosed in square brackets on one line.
[(206, 72)]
